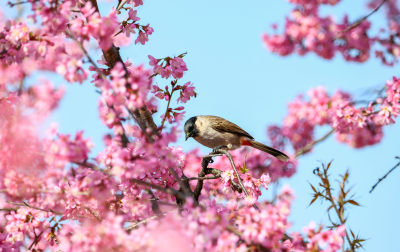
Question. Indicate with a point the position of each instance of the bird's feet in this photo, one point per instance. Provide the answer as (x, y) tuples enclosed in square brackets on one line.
[(217, 150)]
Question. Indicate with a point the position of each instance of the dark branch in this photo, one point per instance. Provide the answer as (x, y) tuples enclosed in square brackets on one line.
[(205, 178), (203, 172), (168, 190), (229, 156), (359, 21), (133, 226), (386, 174), (184, 186), (26, 204), (309, 146), (36, 240), (142, 116), (154, 203)]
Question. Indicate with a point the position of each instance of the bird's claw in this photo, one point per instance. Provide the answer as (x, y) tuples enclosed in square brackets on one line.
[(217, 150), (214, 151)]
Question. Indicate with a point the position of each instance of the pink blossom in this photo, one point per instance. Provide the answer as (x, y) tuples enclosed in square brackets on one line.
[(178, 67), (132, 15), (187, 91), (55, 191), (143, 35)]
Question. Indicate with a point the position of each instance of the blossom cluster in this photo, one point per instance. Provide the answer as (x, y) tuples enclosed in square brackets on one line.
[(169, 66), (306, 30), (142, 192), (130, 25), (357, 126), (175, 67)]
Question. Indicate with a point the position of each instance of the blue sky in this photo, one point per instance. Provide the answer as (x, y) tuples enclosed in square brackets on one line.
[(237, 78)]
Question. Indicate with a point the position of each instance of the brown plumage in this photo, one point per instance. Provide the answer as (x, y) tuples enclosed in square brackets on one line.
[(222, 125), (217, 132)]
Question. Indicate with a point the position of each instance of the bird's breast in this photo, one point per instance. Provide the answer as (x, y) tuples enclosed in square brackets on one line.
[(212, 138)]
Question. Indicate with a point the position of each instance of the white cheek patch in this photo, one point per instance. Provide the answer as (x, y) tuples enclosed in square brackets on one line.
[(201, 123), (198, 124)]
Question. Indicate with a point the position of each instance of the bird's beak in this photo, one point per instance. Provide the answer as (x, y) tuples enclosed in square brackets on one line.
[(187, 136)]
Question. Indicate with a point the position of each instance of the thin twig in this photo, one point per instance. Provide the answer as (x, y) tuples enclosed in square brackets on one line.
[(26, 204), (183, 186), (136, 224), (144, 119), (36, 240), (386, 174), (164, 203), (121, 4), (239, 234), (154, 203), (309, 146), (329, 197), (95, 215), (233, 230), (166, 110), (168, 190), (8, 209), (83, 49), (228, 155), (91, 166), (133, 226), (204, 178), (11, 4), (21, 85), (359, 21)]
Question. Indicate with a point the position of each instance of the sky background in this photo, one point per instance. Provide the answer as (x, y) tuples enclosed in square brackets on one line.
[(238, 79)]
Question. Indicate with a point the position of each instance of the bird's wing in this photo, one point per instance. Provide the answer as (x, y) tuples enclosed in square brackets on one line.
[(222, 125)]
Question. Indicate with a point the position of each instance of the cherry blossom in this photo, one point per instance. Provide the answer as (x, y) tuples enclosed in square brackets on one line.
[(142, 191)]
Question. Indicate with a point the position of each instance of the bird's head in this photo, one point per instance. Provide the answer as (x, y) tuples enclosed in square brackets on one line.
[(190, 128)]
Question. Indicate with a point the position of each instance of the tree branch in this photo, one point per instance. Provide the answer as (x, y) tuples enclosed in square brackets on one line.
[(121, 4), (124, 138), (8, 209), (168, 190), (26, 204), (309, 146), (83, 49), (167, 108), (208, 159), (359, 21), (337, 204), (36, 240), (229, 156), (154, 203), (142, 115), (184, 187), (386, 174), (205, 178), (133, 226), (203, 172)]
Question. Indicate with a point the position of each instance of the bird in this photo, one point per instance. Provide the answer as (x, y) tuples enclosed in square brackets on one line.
[(218, 133)]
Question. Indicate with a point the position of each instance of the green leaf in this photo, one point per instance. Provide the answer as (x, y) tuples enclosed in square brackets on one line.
[(244, 168)]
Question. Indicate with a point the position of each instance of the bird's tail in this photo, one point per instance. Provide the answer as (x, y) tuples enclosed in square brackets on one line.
[(279, 155)]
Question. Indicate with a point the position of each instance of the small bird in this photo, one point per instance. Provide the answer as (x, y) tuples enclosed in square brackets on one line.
[(216, 132)]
